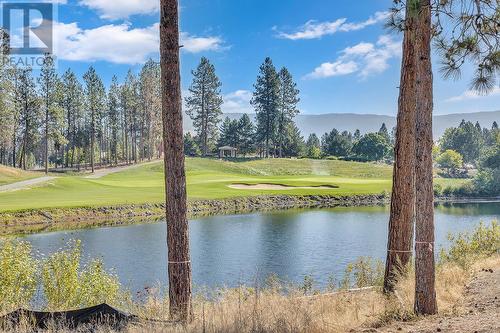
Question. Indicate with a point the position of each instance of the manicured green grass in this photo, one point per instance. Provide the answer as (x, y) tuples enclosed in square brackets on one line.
[(10, 175), (207, 179)]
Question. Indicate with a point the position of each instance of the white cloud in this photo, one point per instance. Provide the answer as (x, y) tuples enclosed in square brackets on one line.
[(314, 29), (364, 58), (114, 9), (238, 102), (336, 68), (471, 94), (120, 43), (195, 44), (374, 19)]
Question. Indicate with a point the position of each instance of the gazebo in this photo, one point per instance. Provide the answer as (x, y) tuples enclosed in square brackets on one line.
[(227, 151)]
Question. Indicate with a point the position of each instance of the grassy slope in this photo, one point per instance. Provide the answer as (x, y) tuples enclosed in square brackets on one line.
[(207, 179), (10, 175)]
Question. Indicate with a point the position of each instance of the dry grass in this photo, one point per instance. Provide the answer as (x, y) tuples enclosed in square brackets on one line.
[(269, 310)]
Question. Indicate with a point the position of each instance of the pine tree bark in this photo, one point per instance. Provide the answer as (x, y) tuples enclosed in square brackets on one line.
[(400, 240), (425, 292), (179, 264)]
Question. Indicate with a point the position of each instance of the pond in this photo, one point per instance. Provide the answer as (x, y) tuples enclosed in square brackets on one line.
[(234, 249)]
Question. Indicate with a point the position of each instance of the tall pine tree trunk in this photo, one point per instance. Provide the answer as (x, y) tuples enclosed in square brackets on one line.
[(400, 240), (92, 140), (47, 139), (179, 264), (425, 292)]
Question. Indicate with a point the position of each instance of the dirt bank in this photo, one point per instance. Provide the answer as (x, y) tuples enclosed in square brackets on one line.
[(478, 310), (33, 221), (279, 187)]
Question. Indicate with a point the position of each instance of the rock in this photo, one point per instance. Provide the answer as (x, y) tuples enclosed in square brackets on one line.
[(46, 215)]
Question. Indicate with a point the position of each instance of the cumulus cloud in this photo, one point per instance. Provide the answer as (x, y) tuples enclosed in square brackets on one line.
[(329, 69), (313, 29), (120, 43), (113, 10), (471, 94), (237, 102), (364, 58)]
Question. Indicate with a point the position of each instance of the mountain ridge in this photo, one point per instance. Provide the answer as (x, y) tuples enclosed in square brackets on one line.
[(322, 123)]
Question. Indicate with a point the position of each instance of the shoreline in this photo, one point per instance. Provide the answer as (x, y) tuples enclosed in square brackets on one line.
[(54, 219)]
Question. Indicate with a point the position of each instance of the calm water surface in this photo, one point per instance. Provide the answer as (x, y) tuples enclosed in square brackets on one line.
[(228, 250)]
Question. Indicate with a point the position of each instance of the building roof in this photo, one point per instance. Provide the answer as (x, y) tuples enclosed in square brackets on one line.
[(227, 148)]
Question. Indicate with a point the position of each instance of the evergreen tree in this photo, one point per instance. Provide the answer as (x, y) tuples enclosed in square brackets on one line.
[(313, 146), (72, 103), (384, 132), (246, 131), (151, 103), (95, 100), (266, 98), (371, 147), (204, 104), (114, 117), (229, 133), (27, 102), (191, 147), (48, 81), (179, 260), (294, 144), (288, 101)]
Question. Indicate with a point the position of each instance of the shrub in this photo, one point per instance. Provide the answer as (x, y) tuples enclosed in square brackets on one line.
[(18, 278), (366, 273), (468, 247), (451, 161), (67, 285)]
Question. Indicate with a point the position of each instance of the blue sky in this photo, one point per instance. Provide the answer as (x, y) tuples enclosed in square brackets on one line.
[(339, 53)]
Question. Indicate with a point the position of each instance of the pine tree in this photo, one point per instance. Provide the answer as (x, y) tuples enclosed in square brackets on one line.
[(287, 106), (150, 94), (48, 81), (27, 102), (72, 104), (313, 146), (266, 98), (179, 261), (229, 133), (204, 104), (114, 117), (293, 145), (95, 104), (246, 132)]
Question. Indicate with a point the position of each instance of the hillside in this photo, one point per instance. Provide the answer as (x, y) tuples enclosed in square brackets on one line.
[(323, 123), (10, 175)]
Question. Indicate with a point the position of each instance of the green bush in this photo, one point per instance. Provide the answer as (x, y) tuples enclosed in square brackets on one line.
[(364, 272), (18, 274), (469, 247), (67, 285)]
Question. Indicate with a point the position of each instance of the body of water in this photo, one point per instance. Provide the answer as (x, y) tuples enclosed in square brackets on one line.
[(233, 249)]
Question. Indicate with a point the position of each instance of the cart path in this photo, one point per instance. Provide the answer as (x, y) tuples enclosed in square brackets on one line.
[(107, 171), (25, 184)]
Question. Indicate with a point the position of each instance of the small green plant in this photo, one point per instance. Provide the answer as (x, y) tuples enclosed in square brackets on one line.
[(18, 274), (365, 272), (468, 247), (307, 285), (67, 285)]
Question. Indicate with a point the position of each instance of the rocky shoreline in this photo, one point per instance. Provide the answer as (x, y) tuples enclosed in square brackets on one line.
[(43, 220), (33, 221)]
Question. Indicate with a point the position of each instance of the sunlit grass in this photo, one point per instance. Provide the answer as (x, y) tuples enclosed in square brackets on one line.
[(206, 179)]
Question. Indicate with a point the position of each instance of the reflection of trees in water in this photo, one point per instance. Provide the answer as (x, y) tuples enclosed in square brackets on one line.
[(478, 208)]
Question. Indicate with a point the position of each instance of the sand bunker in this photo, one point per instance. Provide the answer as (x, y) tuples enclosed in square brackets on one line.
[(279, 187)]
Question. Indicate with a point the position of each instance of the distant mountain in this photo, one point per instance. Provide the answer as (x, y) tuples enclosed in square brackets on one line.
[(323, 123)]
